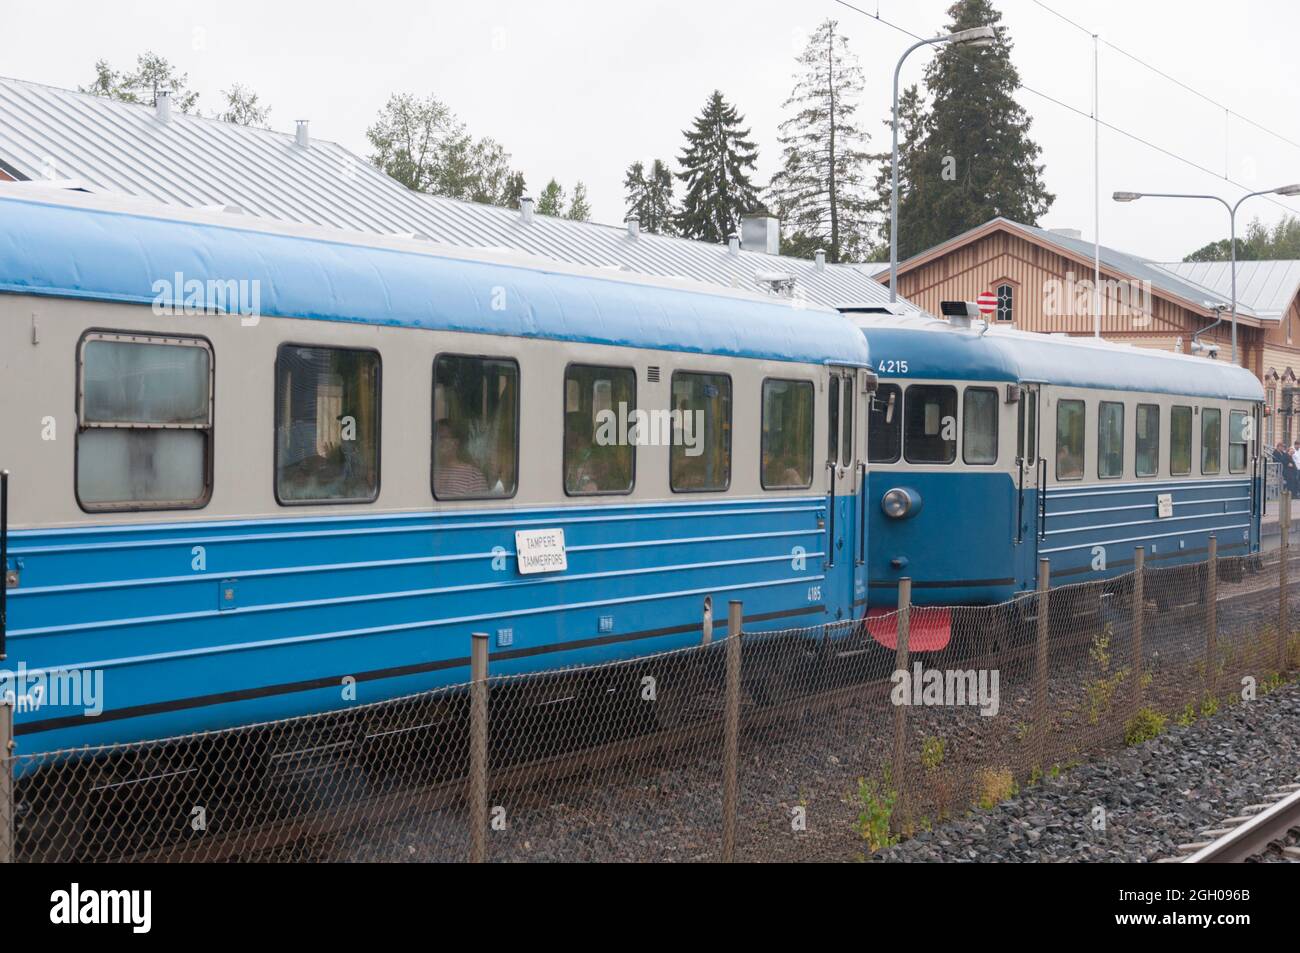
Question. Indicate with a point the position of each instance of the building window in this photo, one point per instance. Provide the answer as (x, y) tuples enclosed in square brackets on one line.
[(1110, 439), (1006, 302), (327, 425), (144, 438), (599, 436), (930, 424), (787, 435), (476, 427), (700, 456)]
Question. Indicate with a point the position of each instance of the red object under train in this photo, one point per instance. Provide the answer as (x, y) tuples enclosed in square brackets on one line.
[(928, 629)]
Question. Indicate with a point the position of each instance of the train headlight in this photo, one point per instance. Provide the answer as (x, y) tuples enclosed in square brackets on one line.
[(900, 503)]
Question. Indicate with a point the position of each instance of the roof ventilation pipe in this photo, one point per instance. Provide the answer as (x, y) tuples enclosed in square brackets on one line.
[(302, 137), (633, 227), (526, 210), (162, 105), (819, 260), (733, 244)]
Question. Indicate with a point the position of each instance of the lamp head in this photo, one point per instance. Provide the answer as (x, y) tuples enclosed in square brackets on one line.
[(1126, 196)]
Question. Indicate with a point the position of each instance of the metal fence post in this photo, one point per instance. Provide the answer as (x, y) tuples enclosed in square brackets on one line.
[(6, 782), (1139, 602), (1212, 615), (706, 634), (900, 665), (1040, 653), (1284, 605), (478, 747), (731, 732)]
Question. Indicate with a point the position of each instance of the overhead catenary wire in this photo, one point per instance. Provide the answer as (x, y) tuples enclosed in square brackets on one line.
[(1085, 113)]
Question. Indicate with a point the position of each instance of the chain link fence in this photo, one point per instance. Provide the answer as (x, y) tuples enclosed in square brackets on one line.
[(823, 743)]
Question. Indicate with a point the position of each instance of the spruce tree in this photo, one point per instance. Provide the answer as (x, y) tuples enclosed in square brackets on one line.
[(579, 206), (717, 161), (551, 201), (819, 190), (975, 160), (911, 119), (650, 197)]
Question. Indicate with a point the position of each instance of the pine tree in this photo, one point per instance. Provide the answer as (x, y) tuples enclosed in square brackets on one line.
[(975, 160), (819, 190), (551, 201), (650, 197), (717, 159), (579, 206), (911, 119)]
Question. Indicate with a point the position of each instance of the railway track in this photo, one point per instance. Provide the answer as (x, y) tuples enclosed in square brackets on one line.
[(1254, 833)]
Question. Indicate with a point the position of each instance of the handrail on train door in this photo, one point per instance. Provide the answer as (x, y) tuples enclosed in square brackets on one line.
[(862, 513), (830, 522), (1020, 499), (1042, 498)]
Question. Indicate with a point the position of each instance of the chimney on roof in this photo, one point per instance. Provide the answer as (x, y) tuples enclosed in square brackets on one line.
[(162, 104), (633, 227), (302, 137), (733, 244), (526, 209), (819, 260), (761, 233)]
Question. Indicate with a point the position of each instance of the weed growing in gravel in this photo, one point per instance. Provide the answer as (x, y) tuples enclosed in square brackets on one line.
[(994, 785), (932, 750), (1146, 723), (1035, 775), (1210, 706), (1187, 717), (878, 800)]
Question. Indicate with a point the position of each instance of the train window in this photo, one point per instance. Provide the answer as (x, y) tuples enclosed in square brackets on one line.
[(1211, 438), (930, 424), (600, 431), (1110, 439), (833, 419), (1147, 461), (979, 440), (885, 425), (476, 427), (787, 434), (326, 425), (846, 424), (1069, 439), (700, 456), (1180, 441), (144, 437), (1237, 441)]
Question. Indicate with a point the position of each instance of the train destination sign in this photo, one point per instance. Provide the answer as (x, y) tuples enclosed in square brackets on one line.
[(540, 550)]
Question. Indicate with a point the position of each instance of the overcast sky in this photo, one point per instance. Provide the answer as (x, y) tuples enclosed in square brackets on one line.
[(581, 88)]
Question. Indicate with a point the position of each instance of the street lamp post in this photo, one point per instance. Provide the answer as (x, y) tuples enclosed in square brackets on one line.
[(977, 36), (1232, 226)]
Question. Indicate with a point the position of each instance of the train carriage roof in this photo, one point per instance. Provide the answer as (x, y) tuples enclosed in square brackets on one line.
[(75, 245), (938, 349)]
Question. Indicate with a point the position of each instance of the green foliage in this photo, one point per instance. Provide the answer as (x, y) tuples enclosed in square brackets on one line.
[(551, 201), (1146, 723), (1260, 243), (878, 799), (1187, 716), (243, 108), (152, 74), (993, 786), (1210, 706), (717, 162), (650, 197), (819, 190), (973, 158), (579, 206), (421, 143), (932, 751)]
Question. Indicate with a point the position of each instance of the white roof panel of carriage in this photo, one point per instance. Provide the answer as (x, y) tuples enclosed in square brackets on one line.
[(125, 149)]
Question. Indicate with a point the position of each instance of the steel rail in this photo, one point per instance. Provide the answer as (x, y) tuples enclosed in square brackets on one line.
[(1253, 835)]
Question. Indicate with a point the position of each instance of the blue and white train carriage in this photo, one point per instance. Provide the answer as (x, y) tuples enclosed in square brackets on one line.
[(990, 448), (228, 516)]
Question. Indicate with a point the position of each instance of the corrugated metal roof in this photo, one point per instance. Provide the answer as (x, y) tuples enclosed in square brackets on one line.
[(1266, 287), (1161, 279), (124, 148)]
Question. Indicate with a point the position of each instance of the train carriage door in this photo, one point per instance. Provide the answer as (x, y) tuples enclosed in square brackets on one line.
[(845, 449), (1030, 473)]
